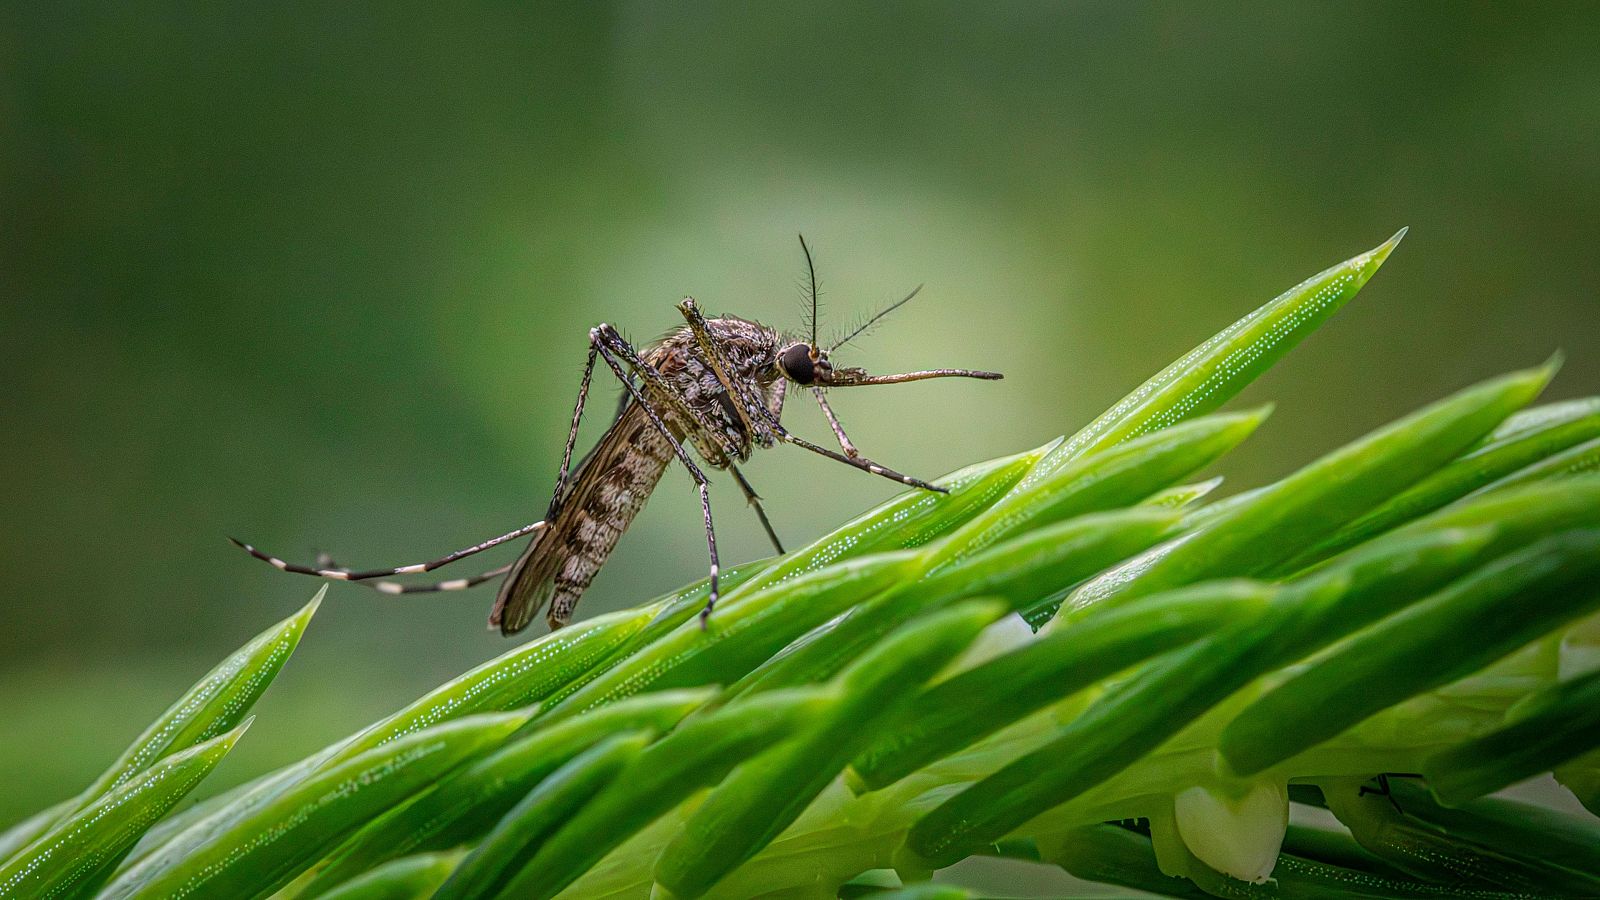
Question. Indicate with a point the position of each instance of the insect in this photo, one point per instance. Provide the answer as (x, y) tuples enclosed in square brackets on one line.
[(714, 384)]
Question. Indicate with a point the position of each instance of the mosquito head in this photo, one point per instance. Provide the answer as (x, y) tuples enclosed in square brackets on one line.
[(804, 364)]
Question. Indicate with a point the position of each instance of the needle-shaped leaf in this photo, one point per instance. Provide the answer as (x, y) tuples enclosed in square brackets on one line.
[(216, 703), (1114, 732), (1545, 730), (765, 795), (909, 520), (696, 755), (959, 710), (747, 628), (1044, 562), (402, 879), (259, 848), (1578, 460), (1115, 477), (1282, 519), (1212, 373), (1182, 495), (1019, 572), (1528, 445), (1486, 845), (525, 675), (73, 857), (492, 867), (467, 802), (1459, 630), (1135, 716)]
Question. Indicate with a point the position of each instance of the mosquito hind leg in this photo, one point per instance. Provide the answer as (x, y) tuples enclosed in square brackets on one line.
[(337, 574), (324, 561), (601, 338), (755, 501)]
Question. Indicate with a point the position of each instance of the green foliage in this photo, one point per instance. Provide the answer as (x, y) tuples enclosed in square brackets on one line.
[(1420, 600)]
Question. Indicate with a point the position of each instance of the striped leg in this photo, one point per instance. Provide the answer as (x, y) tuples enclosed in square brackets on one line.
[(337, 574), (755, 501), (833, 422), (572, 437), (860, 462), (325, 568), (324, 561), (608, 342)]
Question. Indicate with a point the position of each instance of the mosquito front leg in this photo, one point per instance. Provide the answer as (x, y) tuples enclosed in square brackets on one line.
[(602, 338), (334, 574), (860, 462), (755, 501), (833, 422), (572, 436), (750, 411)]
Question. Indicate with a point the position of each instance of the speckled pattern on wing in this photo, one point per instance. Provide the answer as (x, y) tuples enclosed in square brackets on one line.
[(614, 481)]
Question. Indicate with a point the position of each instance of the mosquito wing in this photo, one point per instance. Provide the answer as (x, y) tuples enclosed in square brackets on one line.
[(609, 488)]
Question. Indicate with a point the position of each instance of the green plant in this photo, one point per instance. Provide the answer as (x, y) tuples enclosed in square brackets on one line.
[(1068, 658)]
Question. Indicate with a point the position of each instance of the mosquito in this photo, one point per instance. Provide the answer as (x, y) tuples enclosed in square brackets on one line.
[(714, 384)]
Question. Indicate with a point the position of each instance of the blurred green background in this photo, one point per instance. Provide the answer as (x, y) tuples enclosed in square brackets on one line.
[(319, 275)]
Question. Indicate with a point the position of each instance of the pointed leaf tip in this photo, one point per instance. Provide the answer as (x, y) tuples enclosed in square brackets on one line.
[(1369, 262), (310, 609)]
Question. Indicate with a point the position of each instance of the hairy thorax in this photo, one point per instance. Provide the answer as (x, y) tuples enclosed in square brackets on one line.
[(723, 428)]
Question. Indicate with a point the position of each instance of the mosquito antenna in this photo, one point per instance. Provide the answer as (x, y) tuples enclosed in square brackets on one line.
[(811, 270), (876, 316)]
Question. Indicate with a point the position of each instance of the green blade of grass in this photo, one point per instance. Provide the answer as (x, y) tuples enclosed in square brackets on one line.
[(1112, 734), (466, 803), (1212, 373), (523, 676), (216, 703), (1282, 519), (73, 857), (695, 756), (1541, 417), (255, 850), (1115, 477), (492, 867), (1018, 571), (1447, 636), (1578, 460), (909, 520), (764, 796), (747, 628), (1530, 444), (972, 704), (1545, 730), (527, 674), (402, 879), (1028, 570), (1182, 495), (24, 832), (1135, 716), (1486, 845)]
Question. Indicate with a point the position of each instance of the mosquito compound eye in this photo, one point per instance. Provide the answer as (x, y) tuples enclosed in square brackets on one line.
[(796, 363)]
